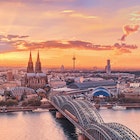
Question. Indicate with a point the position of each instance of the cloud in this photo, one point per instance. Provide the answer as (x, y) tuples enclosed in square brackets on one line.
[(5, 47), (129, 29), (135, 16), (12, 43), (74, 14), (67, 11), (123, 48), (2, 36), (66, 45), (121, 51), (80, 45), (11, 37)]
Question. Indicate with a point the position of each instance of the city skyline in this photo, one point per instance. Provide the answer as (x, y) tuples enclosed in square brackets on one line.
[(94, 31)]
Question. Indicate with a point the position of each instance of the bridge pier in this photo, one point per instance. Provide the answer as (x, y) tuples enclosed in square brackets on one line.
[(59, 115), (82, 137)]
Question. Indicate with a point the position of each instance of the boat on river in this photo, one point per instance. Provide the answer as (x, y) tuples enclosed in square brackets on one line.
[(40, 110), (118, 107)]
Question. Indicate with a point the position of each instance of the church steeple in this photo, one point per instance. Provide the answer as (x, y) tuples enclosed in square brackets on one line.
[(38, 58), (38, 64), (30, 68), (30, 58)]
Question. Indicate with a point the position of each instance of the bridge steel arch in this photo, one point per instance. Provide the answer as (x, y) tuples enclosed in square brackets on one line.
[(124, 131), (90, 120), (74, 110), (91, 111), (55, 100), (97, 132), (85, 117), (81, 110), (111, 132), (101, 132), (60, 100), (65, 98)]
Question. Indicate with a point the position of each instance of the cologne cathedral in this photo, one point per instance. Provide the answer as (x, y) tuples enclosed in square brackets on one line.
[(35, 78)]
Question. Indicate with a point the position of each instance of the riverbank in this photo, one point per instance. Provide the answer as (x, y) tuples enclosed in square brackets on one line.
[(126, 105), (6, 109)]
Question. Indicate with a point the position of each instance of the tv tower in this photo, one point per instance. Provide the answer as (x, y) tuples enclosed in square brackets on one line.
[(74, 59)]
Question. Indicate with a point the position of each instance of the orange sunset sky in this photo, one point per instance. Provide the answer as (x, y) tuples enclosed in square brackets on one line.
[(92, 30)]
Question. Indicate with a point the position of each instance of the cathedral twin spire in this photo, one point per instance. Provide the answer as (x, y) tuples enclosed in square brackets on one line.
[(30, 68), (38, 64)]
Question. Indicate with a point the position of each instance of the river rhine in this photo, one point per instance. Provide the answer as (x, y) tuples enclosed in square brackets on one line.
[(44, 126)]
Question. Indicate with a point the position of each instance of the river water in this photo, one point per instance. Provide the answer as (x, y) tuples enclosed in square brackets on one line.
[(44, 125)]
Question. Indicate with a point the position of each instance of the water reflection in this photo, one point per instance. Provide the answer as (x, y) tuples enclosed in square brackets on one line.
[(27, 126), (44, 126), (12, 114), (68, 127), (129, 118)]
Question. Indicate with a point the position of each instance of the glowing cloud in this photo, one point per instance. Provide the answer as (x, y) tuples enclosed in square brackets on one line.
[(129, 29), (68, 11), (135, 16), (16, 43), (11, 43), (123, 48), (74, 14)]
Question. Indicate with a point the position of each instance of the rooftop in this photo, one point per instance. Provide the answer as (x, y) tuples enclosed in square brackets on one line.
[(92, 84)]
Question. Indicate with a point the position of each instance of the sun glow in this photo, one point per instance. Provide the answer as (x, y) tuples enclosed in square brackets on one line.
[(91, 30)]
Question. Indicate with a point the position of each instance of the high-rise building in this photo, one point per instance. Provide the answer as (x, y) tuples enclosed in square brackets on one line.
[(35, 79), (108, 67)]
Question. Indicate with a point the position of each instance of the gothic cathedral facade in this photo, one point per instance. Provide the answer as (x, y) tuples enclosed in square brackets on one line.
[(35, 78)]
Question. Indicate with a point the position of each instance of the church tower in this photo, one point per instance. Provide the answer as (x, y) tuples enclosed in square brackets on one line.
[(30, 68), (38, 64), (35, 78)]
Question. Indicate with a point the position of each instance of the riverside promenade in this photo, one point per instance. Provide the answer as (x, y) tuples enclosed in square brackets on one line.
[(49, 106), (5, 109), (15, 109), (126, 105)]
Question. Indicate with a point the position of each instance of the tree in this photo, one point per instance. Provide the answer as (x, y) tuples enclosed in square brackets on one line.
[(34, 102), (11, 102), (24, 103), (2, 103)]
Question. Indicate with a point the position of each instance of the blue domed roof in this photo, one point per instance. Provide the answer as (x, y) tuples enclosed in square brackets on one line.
[(101, 91)]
